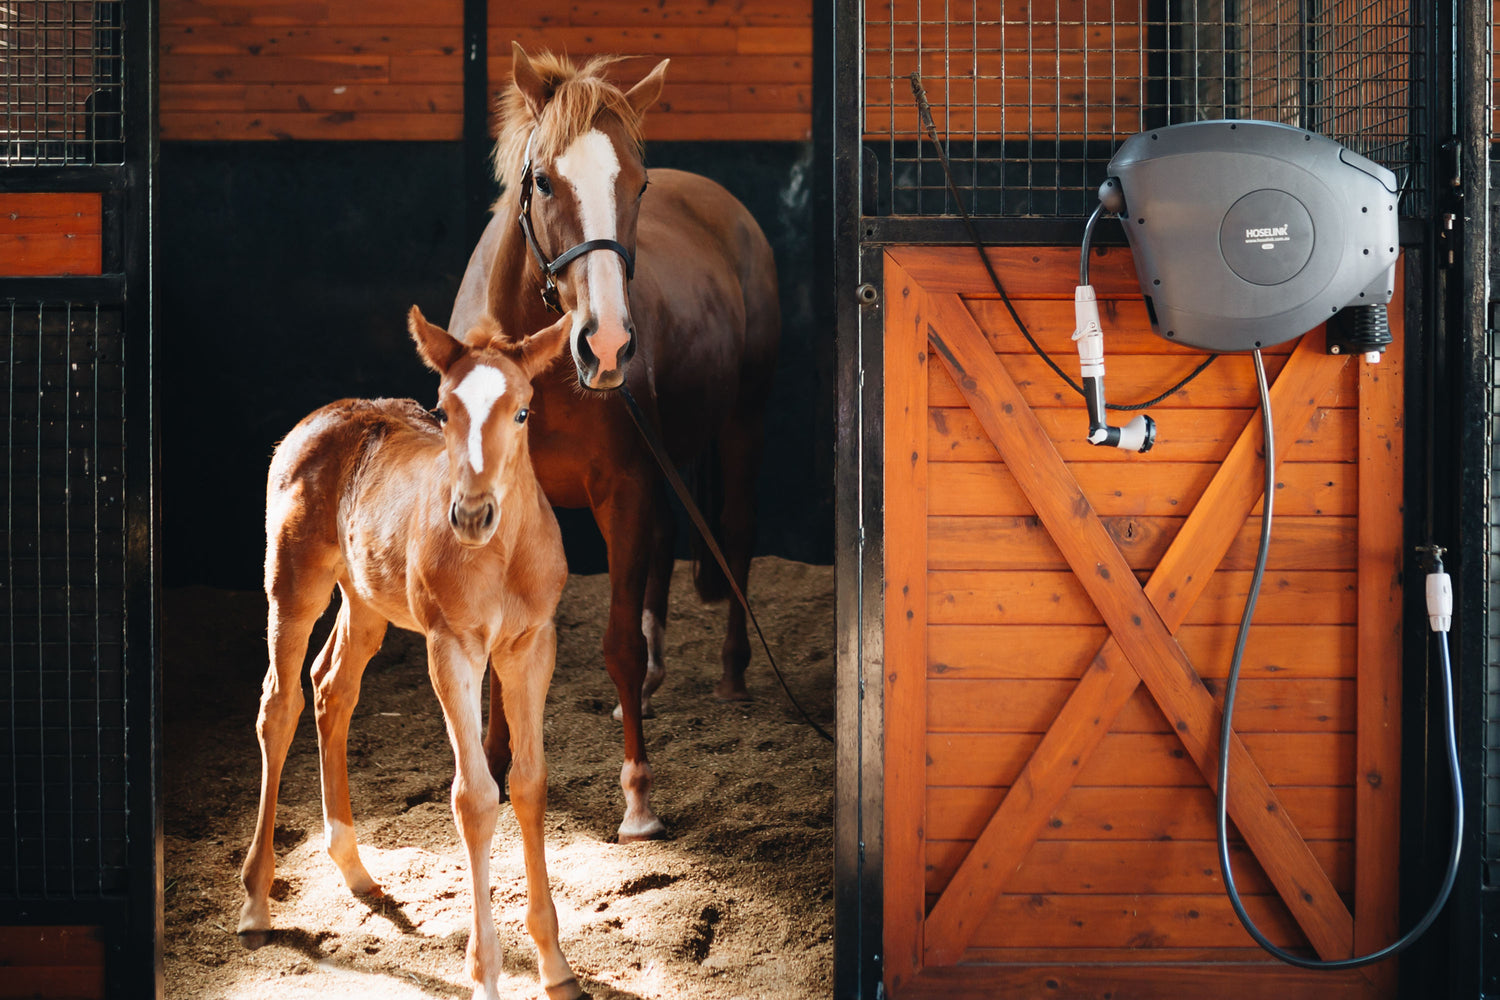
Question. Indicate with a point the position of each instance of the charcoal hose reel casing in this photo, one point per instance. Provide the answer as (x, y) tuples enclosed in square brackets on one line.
[(1246, 234)]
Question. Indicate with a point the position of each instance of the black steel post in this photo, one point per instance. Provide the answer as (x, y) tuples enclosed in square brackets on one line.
[(479, 178), (857, 542), (142, 507)]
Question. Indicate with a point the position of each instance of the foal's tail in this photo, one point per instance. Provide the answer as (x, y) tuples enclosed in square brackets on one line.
[(708, 494)]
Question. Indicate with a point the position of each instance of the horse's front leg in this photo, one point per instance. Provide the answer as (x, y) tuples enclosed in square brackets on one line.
[(654, 607), (456, 671), (626, 522), (525, 674)]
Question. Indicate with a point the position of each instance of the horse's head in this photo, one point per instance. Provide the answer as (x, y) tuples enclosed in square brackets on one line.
[(571, 141), (482, 406)]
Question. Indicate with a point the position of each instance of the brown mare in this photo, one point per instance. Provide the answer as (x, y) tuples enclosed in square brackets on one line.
[(694, 335), (437, 525)]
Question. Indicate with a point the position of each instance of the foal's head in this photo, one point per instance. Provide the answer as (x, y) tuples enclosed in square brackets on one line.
[(571, 140), (482, 406)]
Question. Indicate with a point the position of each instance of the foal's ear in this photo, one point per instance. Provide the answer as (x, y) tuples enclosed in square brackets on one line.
[(538, 350), (644, 94), (528, 81), (436, 348)]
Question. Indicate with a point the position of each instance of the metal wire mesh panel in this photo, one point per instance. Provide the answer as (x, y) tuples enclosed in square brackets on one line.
[(61, 82), (62, 706), (1032, 97)]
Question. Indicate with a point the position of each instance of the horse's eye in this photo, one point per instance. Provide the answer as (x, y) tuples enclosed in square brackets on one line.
[(441, 414), (543, 184), (522, 414), (643, 190)]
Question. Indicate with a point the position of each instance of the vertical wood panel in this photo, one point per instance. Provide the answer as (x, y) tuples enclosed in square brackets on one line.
[(906, 621), (1378, 747)]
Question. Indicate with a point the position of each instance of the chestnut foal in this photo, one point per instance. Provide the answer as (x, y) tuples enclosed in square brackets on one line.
[(437, 525)]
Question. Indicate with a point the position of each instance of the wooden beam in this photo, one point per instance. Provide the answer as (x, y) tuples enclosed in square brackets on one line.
[(905, 691)]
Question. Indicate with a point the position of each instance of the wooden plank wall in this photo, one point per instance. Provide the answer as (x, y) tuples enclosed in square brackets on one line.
[(302, 69), (61, 962), (390, 69), (47, 234), (741, 70), (1122, 870)]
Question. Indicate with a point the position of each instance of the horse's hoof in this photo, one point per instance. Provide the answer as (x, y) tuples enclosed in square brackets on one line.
[(647, 712), (652, 831), (731, 692), (251, 940), (568, 989)]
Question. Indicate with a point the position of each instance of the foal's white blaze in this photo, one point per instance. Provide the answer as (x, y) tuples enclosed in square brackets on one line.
[(590, 165), (479, 391)]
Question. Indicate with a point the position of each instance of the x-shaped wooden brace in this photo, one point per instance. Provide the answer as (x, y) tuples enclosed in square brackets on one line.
[(1141, 647)]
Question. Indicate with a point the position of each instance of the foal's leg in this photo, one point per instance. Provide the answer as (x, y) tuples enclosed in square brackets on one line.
[(497, 734), (336, 675), (740, 445), (527, 673), (654, 613), (625, 519), (456, 672), (296, 595)]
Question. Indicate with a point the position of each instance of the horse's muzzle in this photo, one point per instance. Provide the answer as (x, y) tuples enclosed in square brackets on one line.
[(473, 519), (593, 371)]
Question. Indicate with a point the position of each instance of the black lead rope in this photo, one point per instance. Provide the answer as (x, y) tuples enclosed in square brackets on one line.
[(662, 459)]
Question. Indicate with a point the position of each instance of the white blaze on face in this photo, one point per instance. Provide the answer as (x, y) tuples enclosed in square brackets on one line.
[(590, 165), (479, 391)]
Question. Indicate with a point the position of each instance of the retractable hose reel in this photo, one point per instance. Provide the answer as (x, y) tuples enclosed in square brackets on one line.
[(1247, 234)]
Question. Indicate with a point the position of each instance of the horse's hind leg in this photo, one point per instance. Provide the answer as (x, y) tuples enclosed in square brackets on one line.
[(296, 595), (336, 675), (740, 446)]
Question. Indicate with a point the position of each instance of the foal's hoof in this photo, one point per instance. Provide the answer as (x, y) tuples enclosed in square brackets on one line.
[(251, 940), (639, 833), (566, 990)]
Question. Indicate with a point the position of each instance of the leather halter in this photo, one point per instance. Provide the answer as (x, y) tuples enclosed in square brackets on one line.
[(550, 268)]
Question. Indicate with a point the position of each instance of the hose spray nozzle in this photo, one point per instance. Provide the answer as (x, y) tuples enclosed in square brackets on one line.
[(1140, 433)]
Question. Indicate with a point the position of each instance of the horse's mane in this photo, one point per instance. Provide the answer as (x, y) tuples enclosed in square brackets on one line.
[(576, 96)]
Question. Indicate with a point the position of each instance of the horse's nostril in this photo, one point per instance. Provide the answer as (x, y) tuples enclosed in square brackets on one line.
[(453, 514), (489, 514)]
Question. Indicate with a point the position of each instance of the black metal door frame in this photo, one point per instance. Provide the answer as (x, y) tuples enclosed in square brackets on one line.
[(120, 164)]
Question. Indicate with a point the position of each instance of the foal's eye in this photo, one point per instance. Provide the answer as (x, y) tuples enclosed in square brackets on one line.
[(543, 184), (441, 414), (522, 414)]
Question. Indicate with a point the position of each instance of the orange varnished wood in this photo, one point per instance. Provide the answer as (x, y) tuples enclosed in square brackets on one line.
[(1381, 557), (1019, 542), (1125, 759), (1005, 652), (1141, 634), (336, 69), (906, 686), (1261, 980), (52, 961), (1154, 867), (45, 234)]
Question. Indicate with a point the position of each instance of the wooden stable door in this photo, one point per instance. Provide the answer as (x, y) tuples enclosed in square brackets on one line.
[(1059, 620)]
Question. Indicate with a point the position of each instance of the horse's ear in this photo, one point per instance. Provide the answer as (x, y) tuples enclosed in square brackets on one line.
[(538, 350), (646, 93), (436, 348), (528, 81)]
